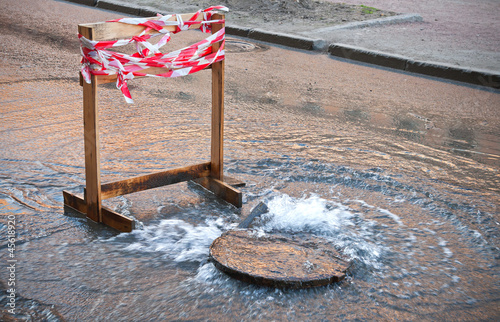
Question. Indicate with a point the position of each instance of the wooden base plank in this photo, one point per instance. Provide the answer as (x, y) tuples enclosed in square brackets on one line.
[(109, 217), (75, 202), (222, 190), (117, 221), (154, 180)]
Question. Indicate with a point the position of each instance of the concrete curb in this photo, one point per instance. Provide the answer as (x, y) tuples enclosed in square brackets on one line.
[(410, 17), (278, 38), (108, 5), (238, 31), (285, 39), (91, 3), (450, 72)]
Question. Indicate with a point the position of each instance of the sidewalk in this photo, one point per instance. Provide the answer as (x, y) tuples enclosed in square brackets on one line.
[(452, 39), (457, 32)]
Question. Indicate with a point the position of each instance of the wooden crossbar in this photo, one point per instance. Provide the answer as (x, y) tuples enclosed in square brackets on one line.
[(105, 79), (209, 174), (154, 180), (118, 30)]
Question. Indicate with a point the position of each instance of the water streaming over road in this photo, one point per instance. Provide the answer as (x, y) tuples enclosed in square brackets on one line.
[(414, 204)]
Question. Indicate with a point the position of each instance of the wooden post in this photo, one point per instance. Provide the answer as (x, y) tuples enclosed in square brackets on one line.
[(91, 137), (216, 182), (217, 151)]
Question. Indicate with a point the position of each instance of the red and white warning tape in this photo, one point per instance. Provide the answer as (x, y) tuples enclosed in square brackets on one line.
[(97, 60)]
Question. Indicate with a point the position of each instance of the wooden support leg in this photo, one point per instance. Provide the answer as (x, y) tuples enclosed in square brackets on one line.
[(216, 182), (217, 112), (92, 160)]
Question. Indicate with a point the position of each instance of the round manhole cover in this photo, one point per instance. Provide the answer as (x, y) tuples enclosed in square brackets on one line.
[(240, 46), (277, 260)]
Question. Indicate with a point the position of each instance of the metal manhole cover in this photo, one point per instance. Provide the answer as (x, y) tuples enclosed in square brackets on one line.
[(240, 46), (277, 260)]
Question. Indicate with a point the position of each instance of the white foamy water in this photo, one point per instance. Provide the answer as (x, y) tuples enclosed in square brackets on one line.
[(175, 238), (349, 231), (306, 214), (182, 241)]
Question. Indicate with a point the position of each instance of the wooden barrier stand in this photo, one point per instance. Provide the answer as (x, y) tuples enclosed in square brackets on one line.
[(209, 174)]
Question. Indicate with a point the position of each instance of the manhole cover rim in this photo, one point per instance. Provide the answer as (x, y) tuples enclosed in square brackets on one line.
[(221, 262)]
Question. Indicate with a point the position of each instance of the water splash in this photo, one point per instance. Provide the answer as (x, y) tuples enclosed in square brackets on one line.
[(175, 239), (307, 214), (346, 229)]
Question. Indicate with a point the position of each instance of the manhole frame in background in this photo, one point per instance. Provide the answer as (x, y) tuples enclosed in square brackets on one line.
[(235, 45)]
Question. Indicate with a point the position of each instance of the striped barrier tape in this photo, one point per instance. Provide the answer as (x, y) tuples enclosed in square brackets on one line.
[(97, 60)]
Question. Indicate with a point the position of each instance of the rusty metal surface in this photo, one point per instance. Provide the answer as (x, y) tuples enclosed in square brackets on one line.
[(277, 260)]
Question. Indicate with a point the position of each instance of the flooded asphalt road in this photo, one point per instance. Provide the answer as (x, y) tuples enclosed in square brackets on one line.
[(399, 172)]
